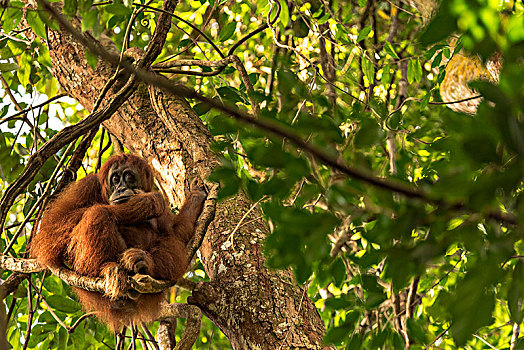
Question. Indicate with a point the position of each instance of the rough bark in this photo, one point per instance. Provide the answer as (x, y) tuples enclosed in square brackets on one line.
[(255, 307)]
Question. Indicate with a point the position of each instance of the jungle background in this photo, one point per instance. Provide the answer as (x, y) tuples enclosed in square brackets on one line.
[(370, 156)]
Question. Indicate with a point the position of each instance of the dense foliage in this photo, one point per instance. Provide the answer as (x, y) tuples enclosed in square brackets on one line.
[(424, 246)]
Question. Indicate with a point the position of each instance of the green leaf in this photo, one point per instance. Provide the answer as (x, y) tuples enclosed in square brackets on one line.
[(416, 331), (480, 147), (284, 13), (232, 95), (184, 43), (375, 293), (411, 71), (516, 292), (63, 337), (63, 304), (6, 53), (16, 48), (379, 107), (89, 20), (339, 303), (399, 267), (362, 3), (369, 70), (425, 100), (201, 108), (91, 59), (386, 75), (36, 23), (355, 342), (418, 70), (447, 52), (298, 237), (7, 67), (84, 6), (443, 24), (339, 272), (229, 181), (363, 34), (336, 335), (324, 18), (473, 302), (118, 9), (70, 7), (437, 60), (227, 31), (39, 333), (24, 70), (368, 134), (389, 49), (49, 21), (3, 112), (394, 120), (12, 17)]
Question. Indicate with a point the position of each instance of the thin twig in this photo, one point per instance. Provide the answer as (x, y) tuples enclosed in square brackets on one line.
[(217, 49), (446, 275), (432, 103), (77, 323), (150, 337), (75, 161), (437, 338), (55, 316), (101, 150), (514, 336), (239, 223), (485, 342), (29, 109), (29, 316), (220, 63), (20, 109)]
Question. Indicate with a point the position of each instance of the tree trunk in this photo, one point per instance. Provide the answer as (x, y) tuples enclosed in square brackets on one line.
[(255, 307)]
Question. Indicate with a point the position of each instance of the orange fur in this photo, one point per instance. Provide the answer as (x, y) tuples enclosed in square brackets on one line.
[(81, 229)]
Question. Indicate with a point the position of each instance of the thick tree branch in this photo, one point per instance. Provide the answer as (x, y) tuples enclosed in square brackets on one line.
[(141, 283), (163, 24), (193, 316), (205, 218), (154, 9), (166, 333)]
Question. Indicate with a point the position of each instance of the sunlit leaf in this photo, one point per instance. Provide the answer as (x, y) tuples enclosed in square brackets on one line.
[(390, 50), (7, 67), (227, 31), (36, 23), (363, 34)]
